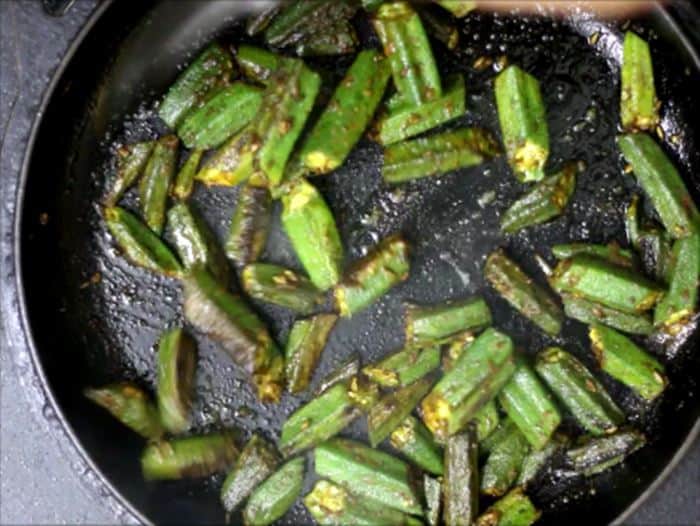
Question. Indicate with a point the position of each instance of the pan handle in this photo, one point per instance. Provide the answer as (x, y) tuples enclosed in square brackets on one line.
[(57, 7)]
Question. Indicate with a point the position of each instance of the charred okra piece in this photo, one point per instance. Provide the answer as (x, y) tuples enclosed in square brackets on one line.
[(303, 19), (476, 378), (139, 244), (655, 253), (232, 163), (257, 461), (131, 160), (526, 296), (514, 509), (191, 457), (439, 27), (437, 154), (338, 38), (639, 107), (622, 359), (271, 500), (281, 286), (459, 8), (432, 488), (431, 325), (305, 344), (184, 181), (523, 120), (461, 483), (537, 459), (368, 473), (258, 23), (599, 454), (347, 369), (177, 361), (256, 63), (155, 183), (363, 393), (503, 463), (610, 252), (130, 405), (369, 278), (212, 69), (545, 201), (486, 420), (416, 443), (662, 183), (322, 418), (579, 391), (590, 312), (403, 367), (249, 225), (347, 115)]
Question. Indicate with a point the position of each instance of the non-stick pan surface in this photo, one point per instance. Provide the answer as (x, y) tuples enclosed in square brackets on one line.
[(95, 318)]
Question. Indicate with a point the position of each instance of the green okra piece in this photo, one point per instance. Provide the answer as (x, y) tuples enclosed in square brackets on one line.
[(229, 321), (371, 5), (310, 226), (486, 420), (656, 253), (461, 484), (259, 22), (439, 27), (459, 8), (622, 359), (281, 286), (513, 509), (368, 473), (155, 183), (131, 160), (415, 442), (296, 20), (130, 405), (662, 184), (273, 498), (393, 408), (603, 282), (220, 117), (479, 374), (590, 312), (348, 113), (347, 369), (403, 367), (139, 244), (526, 296), (633, 228), (369, 278), (407, 120), (338, 38), (611, 252), (250, 225), (232, 162), (363, 393), (190, 457), (256, 63), (432, 488), (177, 362), (639, 107), (306, 342), (523, 121), (503, 462), (257, 461), (537, 459), (436, 154), (530, 406), (599, 454), (579, 391), (504, 429), (546, 200), (454, 348), (184, 180), (323, 417), (195, 243), (436, 324)]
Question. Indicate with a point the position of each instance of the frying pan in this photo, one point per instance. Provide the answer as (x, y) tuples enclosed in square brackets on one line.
[(91, 318)]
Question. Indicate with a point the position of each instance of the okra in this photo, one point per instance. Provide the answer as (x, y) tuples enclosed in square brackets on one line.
[(526, 296), (505, 428), (271, 500), (603, 282), (369, 278), (177, 361), (256, 63), (454, 348), (461, 485), (639, 107), (347, 369), (303, 18), (503, 462), (431, 325), (249, 225), (610, 252), (599, 454), (436, 154), (546, 200), (338, 38), (220, 117), (459, 8), (211, 69), (523, 121), (432, 488), (232, 163), (486, 420), (305, 344), (131, 160), (632, 222), (310, 226), (323, 417), (537, 459), (514, 509), (130, 405), (139, 244), (196, 243), (408, 120), (476, 378), (368, 473), (184, 181), (656, 253), (440, 27), (280, 286), (259, 22), (257, 461), (403, 367), (530, 406), (392, 408), (622, 359), (363, 393), (347, 115), (191, 457), (579, 391), (155, 182), (415, 442), (662, 184), (590, 312)]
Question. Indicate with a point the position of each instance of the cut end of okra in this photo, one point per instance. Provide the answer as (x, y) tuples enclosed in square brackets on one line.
[(177, 361), (639, 107)]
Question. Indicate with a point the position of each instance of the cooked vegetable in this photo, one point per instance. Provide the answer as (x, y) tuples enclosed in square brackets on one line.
[(256, 63), (363, 392), (416, 443), (184, 181), (459, 8), (131, 160), (305, 344), (281, 286), (639, 107), (249, 225), (537, 459), (342, 373), (435, 324), (514, 509), (461, 484), (632, 222), (439, 27), (656, 253), (403, 367), (454, 348), (486, 420), (599, 454), (337, 38), (232, 163), (432, 488), (504, 460), (610, 252), (155, 182), (177, 361), (590, 312), (259, 22), (302, 21), (271, 500)]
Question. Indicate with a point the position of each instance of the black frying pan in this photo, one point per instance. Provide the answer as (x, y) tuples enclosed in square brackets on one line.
[(86, 333)]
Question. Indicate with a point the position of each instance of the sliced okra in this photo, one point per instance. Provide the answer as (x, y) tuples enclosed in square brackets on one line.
[(415, 442), (177, 362), (656, 253), (599, 454), (258, 23), (486, 420), (513, 509), (155, 182), (303, 19), (504, 461), (432, 488), (280, 286), (337, 38), (306, 342), (455, 347), (232, 162), (611, 252), (461, 484), (184, 180), (256, 63), (459, 8), (431, 325), (439, 27), (131, 160), (363, 392), (590, 312), (347, 369), (537, 459), (632, 222), (639, 107), (403, 367), (249, 225), (271, 500)]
